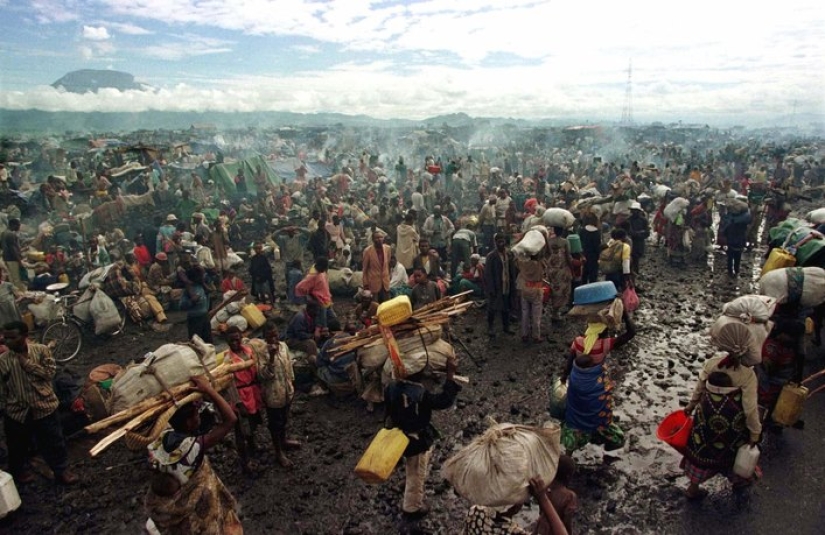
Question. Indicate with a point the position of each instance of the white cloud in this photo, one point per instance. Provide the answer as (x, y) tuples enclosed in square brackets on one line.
[(187, 46), (129, 29), (307, 49), (95, 33)]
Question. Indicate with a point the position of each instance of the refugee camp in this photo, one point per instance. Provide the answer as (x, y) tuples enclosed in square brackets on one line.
[(394, 268)]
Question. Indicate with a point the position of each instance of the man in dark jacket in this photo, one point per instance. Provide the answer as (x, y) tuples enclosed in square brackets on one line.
[(499, 284), (734, 227), (639, 233), (409, 407)]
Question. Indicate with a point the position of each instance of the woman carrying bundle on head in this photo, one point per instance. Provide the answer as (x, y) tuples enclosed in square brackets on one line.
[(725, 411)]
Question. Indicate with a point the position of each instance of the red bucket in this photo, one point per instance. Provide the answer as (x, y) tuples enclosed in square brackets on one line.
[(675, 430)]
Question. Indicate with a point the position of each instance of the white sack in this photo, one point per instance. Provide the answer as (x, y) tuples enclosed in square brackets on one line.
[(173, 363), (495, 469), (357, 280), (374, 355), (234, 307), (232, 260), (816, 216), (750, 308), (531, 244), (558, 217), (775, 284), (104, 312), (95, 276), (660, 191), (42, 311), (81, 309), (222, 315), (414, 361), (238, 321), (339, 280), (674, 208)]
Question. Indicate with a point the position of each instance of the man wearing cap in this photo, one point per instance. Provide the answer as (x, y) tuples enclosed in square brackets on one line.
[(158, 275), (639, 232), (200, 228), (165, 233)]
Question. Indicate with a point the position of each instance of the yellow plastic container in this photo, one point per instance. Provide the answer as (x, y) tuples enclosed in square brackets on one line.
[(36, 256), (394, 311), (779, 258), (383, 453), (789, 405), (809, 326), (254, 317)]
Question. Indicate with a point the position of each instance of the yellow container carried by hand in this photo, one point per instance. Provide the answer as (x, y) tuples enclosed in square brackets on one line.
[(394, 311), (789, 405), (383, 453), (254, 317), (778, 259)]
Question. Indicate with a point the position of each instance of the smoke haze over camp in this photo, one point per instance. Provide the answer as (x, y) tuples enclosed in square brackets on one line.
[(720, 63)]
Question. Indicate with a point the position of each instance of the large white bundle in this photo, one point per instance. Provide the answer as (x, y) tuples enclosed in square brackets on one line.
[(339, 280), (222, 315), (759, 333), (173, 363), (660, 191), (495, 469), (436, 354), (531, 244), (816, 216), (233, 308), (675, 207), (357, 280), (95, 276), (81, 309), (238, 321), (104, 312), (775, 284), (233, 260), (558, 217), (750, 308), (42, 311), (374, 355)]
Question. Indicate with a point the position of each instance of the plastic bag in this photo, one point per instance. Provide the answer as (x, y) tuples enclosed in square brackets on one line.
[(495, 469), (104, 312), (630, 299), (816, 216), (558, 398)]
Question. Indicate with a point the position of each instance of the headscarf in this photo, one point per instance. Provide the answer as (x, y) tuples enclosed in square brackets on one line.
[(591, 335), (735, 338)]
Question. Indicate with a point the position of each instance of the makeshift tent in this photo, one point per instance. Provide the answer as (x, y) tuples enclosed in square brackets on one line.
[(224, 174)]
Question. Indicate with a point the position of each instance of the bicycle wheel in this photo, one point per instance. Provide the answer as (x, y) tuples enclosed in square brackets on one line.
[(64, 339)]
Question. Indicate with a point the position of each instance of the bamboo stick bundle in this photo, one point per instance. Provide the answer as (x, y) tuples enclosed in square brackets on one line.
[(223, 371), (148, 415), (437, 313)]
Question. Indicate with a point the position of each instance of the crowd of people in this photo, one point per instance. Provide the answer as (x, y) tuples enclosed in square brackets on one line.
[(427, 233)]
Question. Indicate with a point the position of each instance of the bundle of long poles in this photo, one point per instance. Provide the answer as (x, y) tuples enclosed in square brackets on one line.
[(437, 313), (149, 409)]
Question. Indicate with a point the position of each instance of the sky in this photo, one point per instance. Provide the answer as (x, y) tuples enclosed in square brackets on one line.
[(720, 62)]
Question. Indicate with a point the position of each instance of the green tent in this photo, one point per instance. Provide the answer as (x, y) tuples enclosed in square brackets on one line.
[(223, 174)]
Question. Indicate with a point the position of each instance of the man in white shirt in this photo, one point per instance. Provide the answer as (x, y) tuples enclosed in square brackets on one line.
[(464, 244)]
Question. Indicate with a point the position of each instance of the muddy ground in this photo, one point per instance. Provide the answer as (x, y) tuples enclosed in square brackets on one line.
[(636, 490)]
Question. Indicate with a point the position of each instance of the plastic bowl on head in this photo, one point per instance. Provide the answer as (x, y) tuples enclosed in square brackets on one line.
[(595, 292)]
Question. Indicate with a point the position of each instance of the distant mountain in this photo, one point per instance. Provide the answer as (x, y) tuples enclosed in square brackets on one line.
[(86, 80)]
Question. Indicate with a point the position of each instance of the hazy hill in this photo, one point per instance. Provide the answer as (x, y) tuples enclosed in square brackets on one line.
[(86, 80)]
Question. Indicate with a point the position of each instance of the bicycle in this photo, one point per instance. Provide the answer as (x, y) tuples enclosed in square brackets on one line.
[(64, 332)]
